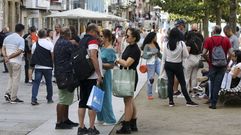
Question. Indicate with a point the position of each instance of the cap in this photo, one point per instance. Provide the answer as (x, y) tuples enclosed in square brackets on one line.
[(179, 22)]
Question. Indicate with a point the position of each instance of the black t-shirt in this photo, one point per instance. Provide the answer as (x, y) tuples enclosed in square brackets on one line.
[(134, 52), (195, 42)]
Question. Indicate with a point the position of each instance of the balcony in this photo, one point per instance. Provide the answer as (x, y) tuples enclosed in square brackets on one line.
[(37, 4)]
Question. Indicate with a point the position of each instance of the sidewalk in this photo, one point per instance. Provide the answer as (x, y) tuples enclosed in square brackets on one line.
[(155, 117), (21, 119)]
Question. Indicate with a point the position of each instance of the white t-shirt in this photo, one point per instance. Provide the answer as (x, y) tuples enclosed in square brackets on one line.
[(96, 47), (177, 55), (43, 42), (12, 43), (236, 66)]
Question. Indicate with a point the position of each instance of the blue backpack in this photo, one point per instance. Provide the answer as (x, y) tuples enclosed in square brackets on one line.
[(219, 58)]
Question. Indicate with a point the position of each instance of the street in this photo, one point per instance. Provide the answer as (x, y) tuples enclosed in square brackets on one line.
[(23, 118)]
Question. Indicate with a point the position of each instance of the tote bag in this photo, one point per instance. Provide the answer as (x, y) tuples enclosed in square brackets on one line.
[(123, 82), (95, 100), (162, 88)]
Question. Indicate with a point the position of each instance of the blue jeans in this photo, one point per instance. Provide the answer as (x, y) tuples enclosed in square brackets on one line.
[(216, 77), (152, 69), (47, 73)]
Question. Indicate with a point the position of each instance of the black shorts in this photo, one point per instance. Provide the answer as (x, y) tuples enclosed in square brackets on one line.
[(85, 89)]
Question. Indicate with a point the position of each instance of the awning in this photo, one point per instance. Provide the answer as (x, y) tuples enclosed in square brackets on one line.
[(86, 14)]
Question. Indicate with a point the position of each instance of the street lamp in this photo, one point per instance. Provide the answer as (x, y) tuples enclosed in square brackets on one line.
[(157, 10)]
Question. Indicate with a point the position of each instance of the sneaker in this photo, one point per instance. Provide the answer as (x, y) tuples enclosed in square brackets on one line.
[(30, 83), (82, 131), (63, 125), (203, 95), (108, 124), (34, 103), (212, 107), (180, 96), (198, 88), (93, 131), (150, 97), (191, 104), (177, 93), (7, 97), (171, 104), (50, 101), (16, 101), (5, 72), (71, 123)]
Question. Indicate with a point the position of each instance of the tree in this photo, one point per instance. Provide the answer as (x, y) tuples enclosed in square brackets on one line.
[(203, 10), (233, 13)]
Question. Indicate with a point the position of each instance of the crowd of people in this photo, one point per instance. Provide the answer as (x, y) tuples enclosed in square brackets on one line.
[(175, 55)]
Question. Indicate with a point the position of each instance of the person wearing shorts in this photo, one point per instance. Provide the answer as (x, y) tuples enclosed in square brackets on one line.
[(62, 56)]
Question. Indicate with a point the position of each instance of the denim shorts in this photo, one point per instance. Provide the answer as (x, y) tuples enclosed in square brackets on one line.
[(65, 97)]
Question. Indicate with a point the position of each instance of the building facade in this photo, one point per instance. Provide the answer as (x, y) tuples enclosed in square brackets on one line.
[(10, 13), (1, 15), (33, 12)]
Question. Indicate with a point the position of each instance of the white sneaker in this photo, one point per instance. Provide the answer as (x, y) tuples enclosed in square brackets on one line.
[(198, 88), (180, 96)]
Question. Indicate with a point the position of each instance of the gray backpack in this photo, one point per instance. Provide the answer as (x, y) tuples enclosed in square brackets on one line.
[(219, 58)]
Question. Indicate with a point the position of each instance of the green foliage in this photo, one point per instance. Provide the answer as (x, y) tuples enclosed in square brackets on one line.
[(195, 9)]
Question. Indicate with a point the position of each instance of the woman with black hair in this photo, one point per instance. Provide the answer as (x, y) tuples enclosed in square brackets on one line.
[(231, 79), (152, 55), (130, 59), (174, 53)]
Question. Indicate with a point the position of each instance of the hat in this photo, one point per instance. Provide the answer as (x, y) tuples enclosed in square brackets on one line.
[(179, 22)]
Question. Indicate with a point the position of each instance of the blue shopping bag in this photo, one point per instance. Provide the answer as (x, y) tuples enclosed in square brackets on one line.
[(95, 100)]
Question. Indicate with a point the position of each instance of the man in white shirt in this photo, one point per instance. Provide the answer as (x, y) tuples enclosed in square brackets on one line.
[(13, 47), (42, 59)]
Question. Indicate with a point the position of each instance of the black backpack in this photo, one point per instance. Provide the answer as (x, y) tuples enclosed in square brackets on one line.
[(81, 63)]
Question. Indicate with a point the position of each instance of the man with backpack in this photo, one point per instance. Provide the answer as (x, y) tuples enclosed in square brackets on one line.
[(42, 60), (62, 65), (218, 47), (92, 45)]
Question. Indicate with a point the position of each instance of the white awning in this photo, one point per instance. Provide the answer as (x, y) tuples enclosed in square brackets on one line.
[(85, 14)]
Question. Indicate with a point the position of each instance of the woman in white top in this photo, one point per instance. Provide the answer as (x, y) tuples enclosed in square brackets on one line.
[(152, 55), (174, 53), (232, 77)]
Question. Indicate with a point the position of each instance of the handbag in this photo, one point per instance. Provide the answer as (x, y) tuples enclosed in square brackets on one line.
[(66, 81), (123, 82), (143, 67), (95, 100), (162, 88), (200, 64)]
